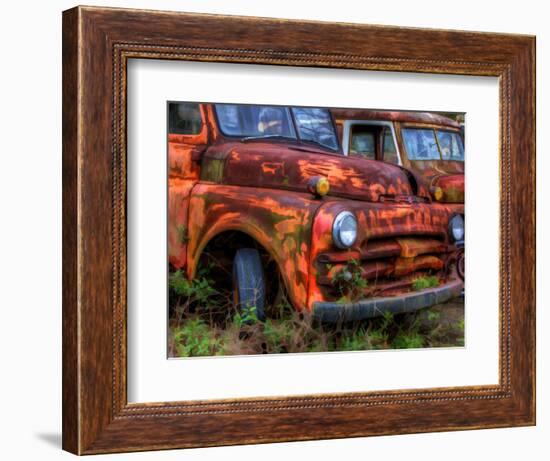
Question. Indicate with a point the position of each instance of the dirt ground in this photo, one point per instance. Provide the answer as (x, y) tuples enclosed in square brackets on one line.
[(451, 312), (444, 322)]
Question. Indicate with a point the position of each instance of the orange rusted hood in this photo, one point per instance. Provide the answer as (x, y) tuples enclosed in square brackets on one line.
[(278, 165)]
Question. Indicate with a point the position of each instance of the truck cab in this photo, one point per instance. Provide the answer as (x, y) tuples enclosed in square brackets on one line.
[(271, 189)]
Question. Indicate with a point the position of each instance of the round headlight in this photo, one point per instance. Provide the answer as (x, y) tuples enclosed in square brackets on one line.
[(344, 230), (456, 228)]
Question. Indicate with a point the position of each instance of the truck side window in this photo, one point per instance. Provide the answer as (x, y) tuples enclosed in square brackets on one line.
[(363, 142), (184, 118), (390, 152)]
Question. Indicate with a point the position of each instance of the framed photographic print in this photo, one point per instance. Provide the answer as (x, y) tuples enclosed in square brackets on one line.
[(283, 230)]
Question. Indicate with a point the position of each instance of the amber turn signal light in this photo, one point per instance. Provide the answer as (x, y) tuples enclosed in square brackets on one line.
[(318, 185), (437, 192)]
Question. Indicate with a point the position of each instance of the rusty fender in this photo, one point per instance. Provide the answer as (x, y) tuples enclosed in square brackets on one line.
[(279, 220)]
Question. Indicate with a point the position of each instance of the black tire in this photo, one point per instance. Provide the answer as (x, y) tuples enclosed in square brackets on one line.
[(249, 281)]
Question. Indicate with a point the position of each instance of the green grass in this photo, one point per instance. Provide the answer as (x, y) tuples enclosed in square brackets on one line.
[(408, 340), (203, 322)]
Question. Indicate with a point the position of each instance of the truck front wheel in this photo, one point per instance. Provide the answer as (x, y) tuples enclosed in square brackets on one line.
[(249, 282)]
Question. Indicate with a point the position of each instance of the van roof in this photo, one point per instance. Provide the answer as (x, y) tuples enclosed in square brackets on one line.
[(394, 116)]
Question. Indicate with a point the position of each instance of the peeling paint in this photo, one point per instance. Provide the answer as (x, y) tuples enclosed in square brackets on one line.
[(260, 188)]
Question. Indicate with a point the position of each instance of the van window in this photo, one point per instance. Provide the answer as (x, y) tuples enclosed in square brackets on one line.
[(184, 118), (363, 142)]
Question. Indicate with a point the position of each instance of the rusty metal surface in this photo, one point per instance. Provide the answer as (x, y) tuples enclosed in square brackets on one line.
[(452, 187), (259, 188), (278, 165), (449, 175), (278, 220), (394, 116), (412, 247), (407, 230), (432, 168)]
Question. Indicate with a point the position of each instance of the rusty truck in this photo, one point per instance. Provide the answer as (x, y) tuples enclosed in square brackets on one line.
[(271, 190)]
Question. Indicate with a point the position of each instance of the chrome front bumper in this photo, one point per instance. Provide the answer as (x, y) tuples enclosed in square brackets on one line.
[(369, 308)]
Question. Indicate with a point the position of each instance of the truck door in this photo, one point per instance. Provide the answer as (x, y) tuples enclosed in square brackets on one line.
[(187, 140)]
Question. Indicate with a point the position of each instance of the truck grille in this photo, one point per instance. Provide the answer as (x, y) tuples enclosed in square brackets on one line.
[(387, 266)]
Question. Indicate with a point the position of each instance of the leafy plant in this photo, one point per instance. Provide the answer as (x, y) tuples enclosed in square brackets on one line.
[(204, 322), (350, 282), (195, 338), (198, 290), (246, 315), (278, 335), (421, 283)]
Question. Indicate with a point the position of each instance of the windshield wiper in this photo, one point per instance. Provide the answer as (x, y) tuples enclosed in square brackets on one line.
[(267, 136)]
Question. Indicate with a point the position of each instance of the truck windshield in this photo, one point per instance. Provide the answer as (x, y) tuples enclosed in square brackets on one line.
[(420, 144), (429, 144), (315, 125), (257, 122), (451, 145)]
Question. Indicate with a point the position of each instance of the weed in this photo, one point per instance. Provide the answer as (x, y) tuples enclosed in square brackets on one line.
[(378, 339), (278, 336), (421, 283), (387, 320), (355, 341), (195, 338), (245, 316), (433, 316), (412, 340), (204, 322), (350, 282), (198, 290)]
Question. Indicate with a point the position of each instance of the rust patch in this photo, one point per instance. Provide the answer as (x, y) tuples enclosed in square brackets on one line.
[(278, 220), (452, 186), (217, 184), (268, 165), (411, 247), (405, 266), (394, 116), (386, 233)]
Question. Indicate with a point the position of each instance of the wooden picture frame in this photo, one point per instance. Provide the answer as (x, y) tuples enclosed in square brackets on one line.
[(97, 43)]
